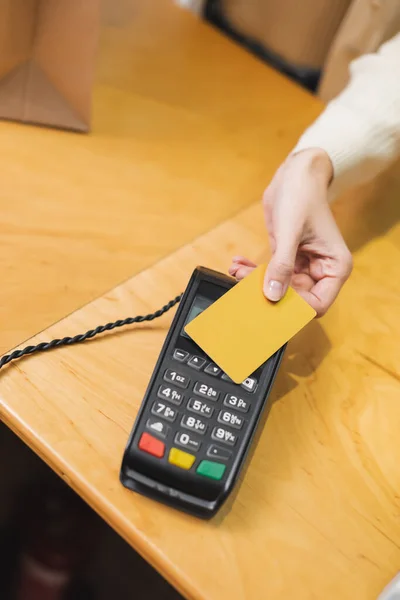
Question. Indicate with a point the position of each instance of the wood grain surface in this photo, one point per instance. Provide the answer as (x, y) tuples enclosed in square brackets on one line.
[(317, 513), (187, 130)]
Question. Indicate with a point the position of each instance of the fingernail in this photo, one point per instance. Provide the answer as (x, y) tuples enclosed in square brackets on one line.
[(274, 290)]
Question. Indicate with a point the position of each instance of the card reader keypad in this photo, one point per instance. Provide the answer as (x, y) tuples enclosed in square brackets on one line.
[(195, 423)]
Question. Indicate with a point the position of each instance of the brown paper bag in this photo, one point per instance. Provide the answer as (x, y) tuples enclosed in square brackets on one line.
[(47, 61)]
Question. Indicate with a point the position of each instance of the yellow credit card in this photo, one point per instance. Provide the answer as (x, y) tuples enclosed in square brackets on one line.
[(242, 329)]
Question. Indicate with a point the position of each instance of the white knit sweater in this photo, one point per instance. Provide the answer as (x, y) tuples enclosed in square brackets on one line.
[(360, 128)]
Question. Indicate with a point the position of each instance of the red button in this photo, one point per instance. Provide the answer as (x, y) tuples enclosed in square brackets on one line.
[(150, 444)]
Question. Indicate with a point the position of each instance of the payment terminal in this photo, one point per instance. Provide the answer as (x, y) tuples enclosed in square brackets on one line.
[(195, 425)]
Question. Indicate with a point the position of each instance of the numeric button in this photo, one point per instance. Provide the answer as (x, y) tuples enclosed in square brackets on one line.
[(164, 411), (236, 402), (199, 407), (194, 424), (177, 379), (186, 440), (167, 393), (229, 418), (220, 434), (206, 391)]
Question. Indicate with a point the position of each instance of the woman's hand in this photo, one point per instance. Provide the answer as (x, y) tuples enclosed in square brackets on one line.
[(308, 251)]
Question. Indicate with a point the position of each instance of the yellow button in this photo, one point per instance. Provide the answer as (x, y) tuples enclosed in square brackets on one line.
[(184, 460)]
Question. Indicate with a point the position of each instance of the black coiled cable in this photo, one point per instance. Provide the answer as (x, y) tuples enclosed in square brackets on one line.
[(78, 339)]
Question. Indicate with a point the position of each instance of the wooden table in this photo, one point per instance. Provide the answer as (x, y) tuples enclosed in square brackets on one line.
[(187, 130), (317, 514)]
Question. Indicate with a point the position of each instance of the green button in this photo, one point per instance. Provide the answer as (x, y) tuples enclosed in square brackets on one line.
[(211, 469)]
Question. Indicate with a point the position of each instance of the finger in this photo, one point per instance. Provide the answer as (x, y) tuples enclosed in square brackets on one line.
[(243, 261), (233, 269), (270, 195), (242, 272), (323, 294), (285, 232), (302, 264), (281, 267), (338, 263), (302, 282)]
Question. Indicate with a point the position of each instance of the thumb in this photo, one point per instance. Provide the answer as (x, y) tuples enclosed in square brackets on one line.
[(280, 270)]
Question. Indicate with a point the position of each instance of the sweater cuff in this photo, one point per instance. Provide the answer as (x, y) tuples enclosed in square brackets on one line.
[(347, 138), (342, 137)]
